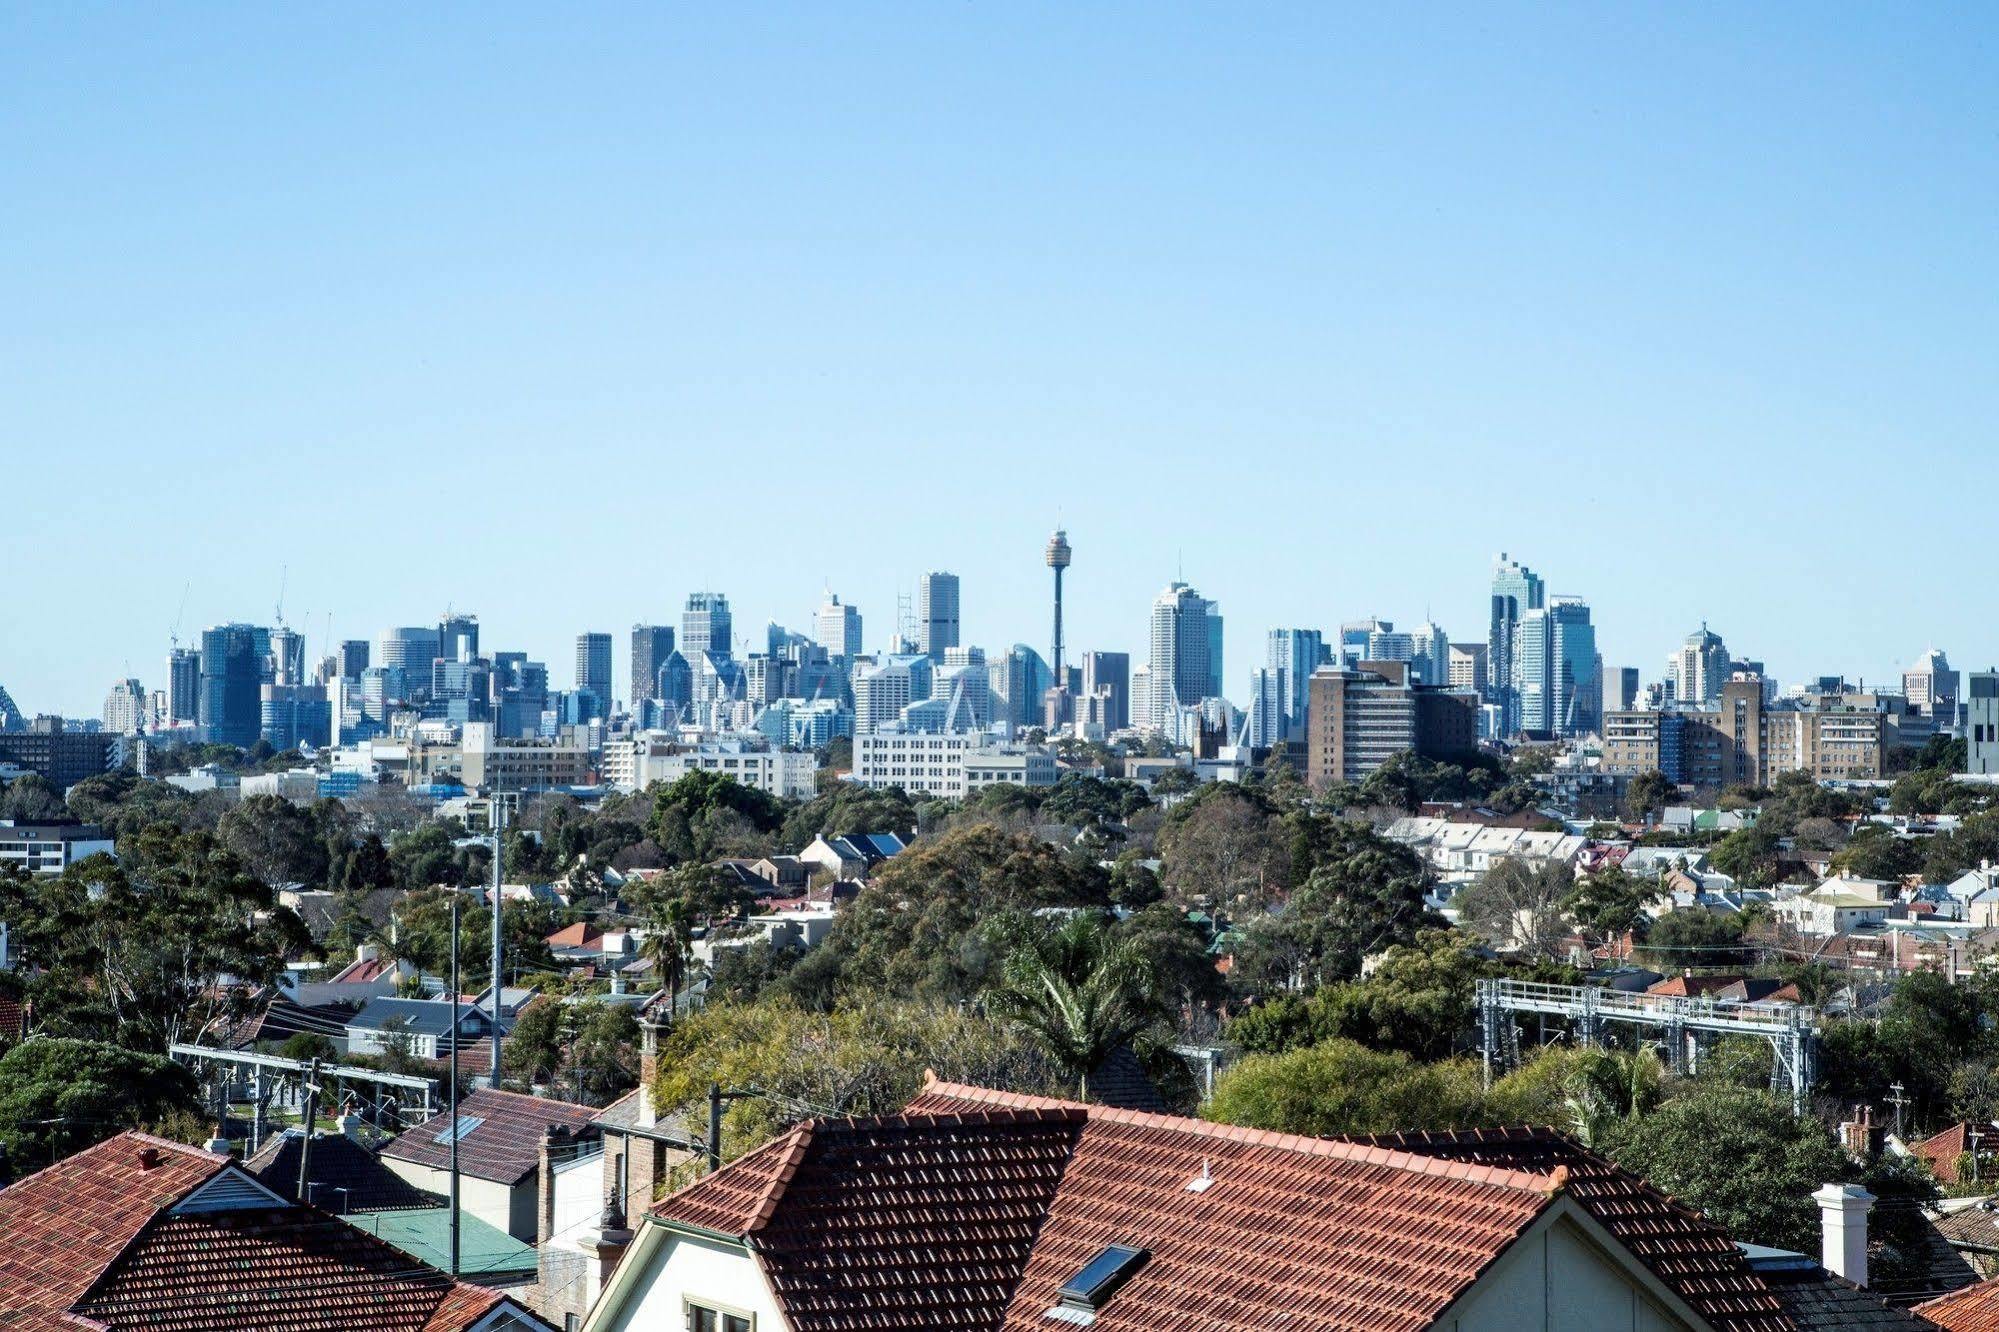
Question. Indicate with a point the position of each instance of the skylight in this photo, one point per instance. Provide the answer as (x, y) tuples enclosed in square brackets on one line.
[(461, 1126), (1092, 1287)]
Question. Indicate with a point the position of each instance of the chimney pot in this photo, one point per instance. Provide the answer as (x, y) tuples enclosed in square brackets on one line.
[(1843, 1212), (149, 1158)]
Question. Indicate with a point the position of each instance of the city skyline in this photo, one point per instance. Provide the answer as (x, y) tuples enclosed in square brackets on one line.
[(1245, 646), (1323, 309)]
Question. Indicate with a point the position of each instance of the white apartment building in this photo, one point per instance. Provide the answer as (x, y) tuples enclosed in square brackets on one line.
[(633, 763), (948, 766), (41, 848)]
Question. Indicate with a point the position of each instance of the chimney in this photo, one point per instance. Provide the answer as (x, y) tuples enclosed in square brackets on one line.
[(218, 1142), (649, 1030), (553, 1139), (149, 1158), (366, 952), (1843, 1212)]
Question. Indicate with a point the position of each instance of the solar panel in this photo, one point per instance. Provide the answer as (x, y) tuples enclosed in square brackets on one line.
[(461, 1126), (1101, 1276)]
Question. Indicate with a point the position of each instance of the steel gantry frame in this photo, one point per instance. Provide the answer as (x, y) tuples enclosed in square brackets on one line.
[(271, 1076), (1680, 1024)]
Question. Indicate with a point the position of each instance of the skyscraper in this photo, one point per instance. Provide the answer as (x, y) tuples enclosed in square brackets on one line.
[(705, 627), (353, 658), (593, 669), (1931, 687), (651, 643), (1620, 689), (183, 686), (1186, 651), (1699, 669), (1109, 672), (410, 649), (458, 637), (1294, 654), (1516, 589), (1556, 671), (837, 628), (287, 657), (233, 658), (937, 626), (125, 708)]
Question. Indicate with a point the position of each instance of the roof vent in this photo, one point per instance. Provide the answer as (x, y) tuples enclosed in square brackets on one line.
[(149, 1158), (1204, 1181), (1083, 1294)]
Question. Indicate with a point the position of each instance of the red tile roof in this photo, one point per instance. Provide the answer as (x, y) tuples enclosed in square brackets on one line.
[(1943, 1148), (968, 1211), (505, 1146), (1689, 1253), (94, 1238), (13, 1019), (581, 934), (1973, 1309)]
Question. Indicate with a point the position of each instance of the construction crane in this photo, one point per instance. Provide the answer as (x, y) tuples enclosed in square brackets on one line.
[(284, 576), (173, 634)]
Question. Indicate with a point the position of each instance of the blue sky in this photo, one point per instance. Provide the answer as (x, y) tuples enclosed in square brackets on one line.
[(554, 314)]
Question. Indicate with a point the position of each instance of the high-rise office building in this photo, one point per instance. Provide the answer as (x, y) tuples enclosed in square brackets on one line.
[(1467, 668), (1555, 670), (651, 645), (1931, 687), (410, 649), (1620, 688), (1018, 683), (1359, 718), (1186, 643), (1430, 654), (290, 715), (1109, 673), (125, 708), (1981, 722), (353, 658), (458, 637), (1699, 669), (705, 627), (937, 624), (183, 686), (1294, 654), (233, 660), (593, 669), (837, 628), (287, 657), (1516, 589)]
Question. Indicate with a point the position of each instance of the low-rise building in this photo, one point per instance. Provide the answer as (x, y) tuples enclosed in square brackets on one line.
[(51, 848), (508, 767), (947, 765), (499, 1137), (1748, 740), (635, 762)]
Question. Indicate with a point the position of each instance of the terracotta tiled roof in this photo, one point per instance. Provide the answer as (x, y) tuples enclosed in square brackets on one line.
[(94, 1239), (1942, 1149), (581, 934), (1974, 1309), (504, 1146), (967, 1212), (13, 1019), (1688, 1252), (64, 1224)]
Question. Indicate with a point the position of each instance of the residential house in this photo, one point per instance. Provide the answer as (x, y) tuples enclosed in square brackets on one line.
[(499, 1136), (986, 1211), (854, 856), (141, 1232), (1840, 905), (1978, 891), (421, 1028)]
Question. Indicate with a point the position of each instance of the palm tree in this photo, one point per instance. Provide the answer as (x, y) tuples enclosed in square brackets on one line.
[(1606, 1086), (668, 946), (1080, 992)]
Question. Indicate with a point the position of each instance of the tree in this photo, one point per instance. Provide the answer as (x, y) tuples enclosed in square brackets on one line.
[(1748, 855), (703, 809), (1518, 906), (1218, 847), (866, 1057), (914, 929), (1608, 903), (30, 799), (59, 1096), (1340, 1087), (1079, 991), (138, 950), (1694, 937), (1648, 793), (1366, 894), (279, 841), (1739, 1155), (1875, 852)]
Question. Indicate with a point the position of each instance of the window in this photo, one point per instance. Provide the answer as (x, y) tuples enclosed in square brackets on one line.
[(715, 1318)]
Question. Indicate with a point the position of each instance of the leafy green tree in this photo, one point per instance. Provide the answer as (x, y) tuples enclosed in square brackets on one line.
[(1608, 903), (1739, 1155), (1648, 793), (1694, 937), (1079, 990), (705, 808), (30, 799), (1875, 852), (1748, 855), (1518, 906), (279, 842), (135, 949), (1218, 847), (59, 1096), (535, 1049), (1082, 800), (913, 930), (1340, 1087), (866, 1057), (1365, 895), (304, 1045)]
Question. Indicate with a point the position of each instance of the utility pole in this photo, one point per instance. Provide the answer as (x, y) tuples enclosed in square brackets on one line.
[(1898, 1098), (497, 818), (454, 1085)]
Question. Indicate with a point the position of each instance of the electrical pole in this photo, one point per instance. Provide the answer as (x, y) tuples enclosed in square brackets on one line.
[(305, 1143), (454, 1085), (497, 817)]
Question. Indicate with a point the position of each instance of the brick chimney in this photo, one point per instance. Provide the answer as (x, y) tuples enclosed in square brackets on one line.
[(649, 1031), (554, 1140), (1843, 1212)]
